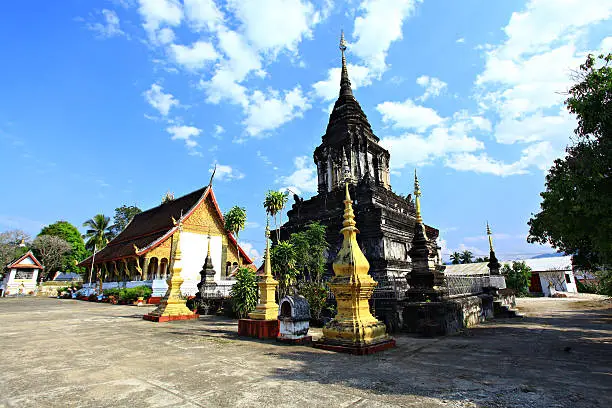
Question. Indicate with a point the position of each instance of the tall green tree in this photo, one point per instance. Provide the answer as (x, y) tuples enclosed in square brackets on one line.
[(99, 232), (71, 234), (283, 257), (467, 257), (310, 248), (456, 258), (274, 203), (123, 216), (235, 220), (575, 214)]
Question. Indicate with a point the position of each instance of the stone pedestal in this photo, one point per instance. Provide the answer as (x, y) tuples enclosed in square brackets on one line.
[(260, 329)]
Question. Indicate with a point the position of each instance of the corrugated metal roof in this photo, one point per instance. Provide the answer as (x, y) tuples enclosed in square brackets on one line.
[(558, 263)]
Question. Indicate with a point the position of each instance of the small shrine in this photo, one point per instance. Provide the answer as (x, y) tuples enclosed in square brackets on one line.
[(294, 319), (21, 275), (354, 329), (173, 305), (263, 321)]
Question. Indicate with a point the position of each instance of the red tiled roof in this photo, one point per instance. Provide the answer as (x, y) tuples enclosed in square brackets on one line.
[(16, 264)]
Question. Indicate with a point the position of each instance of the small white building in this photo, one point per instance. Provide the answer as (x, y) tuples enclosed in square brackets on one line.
[(548, 275), (551, 275), (21, 276)]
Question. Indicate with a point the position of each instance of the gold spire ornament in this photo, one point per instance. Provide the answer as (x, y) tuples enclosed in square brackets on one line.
[(417, 198), (490, 238), (354, 329), (267, 308), (173, 305)]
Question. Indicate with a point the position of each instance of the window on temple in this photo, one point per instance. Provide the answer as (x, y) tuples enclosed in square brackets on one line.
[(568, 279), (25, 273)]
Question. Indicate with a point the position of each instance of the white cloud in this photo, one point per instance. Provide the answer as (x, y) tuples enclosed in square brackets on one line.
[(408, 115), (303, 179), (203, 14), (195, 56), (161, 101), (450, 137), (251, 251), (268, 112), (525, 77), (219, 130), (539, 155), (378, 27), (535, 127), (158, 13), (187, 134), (109, 28), (606, 45), (433, 86), (275, 25), (460, 40), (226, 173), (165, 35), (328, 89)]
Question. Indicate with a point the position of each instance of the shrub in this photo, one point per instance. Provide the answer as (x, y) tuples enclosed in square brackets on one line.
[(518, 277), (244, 292), (129, 295), (316, 294)]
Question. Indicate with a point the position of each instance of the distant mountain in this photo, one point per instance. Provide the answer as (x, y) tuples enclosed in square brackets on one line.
[(550, 255)]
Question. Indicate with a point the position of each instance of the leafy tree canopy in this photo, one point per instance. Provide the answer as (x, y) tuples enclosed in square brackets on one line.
[(51, 250), (123, 216), (11, 247), (310, 248), (575, 214), (518, 277), (71, 234)]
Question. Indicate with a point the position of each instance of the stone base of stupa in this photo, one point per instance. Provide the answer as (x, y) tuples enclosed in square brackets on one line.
[(169, 318), (356, 349), (259, 329)]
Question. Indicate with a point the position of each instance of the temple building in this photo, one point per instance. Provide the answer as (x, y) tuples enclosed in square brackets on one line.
[(350, 150), (21, 275), (141, 253)]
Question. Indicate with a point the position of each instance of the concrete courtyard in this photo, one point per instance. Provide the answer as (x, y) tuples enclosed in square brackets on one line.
[(66, 353)]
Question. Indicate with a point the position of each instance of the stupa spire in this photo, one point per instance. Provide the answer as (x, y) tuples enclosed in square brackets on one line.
[(345, 82), (490, 237), (417, 198)]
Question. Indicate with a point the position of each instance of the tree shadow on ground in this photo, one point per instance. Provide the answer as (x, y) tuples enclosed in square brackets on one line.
[(545, 361)]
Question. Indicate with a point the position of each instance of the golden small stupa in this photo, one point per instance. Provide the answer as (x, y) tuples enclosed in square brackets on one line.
[(173, 305), (354, 329), (266, 309)]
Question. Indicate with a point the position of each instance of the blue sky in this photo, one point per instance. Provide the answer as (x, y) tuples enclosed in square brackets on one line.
[(105, 103)]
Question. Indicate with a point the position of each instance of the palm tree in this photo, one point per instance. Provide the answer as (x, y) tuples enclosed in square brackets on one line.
[(99, 232), (467, 257), (455, 258), (235, 219), (274, 203)]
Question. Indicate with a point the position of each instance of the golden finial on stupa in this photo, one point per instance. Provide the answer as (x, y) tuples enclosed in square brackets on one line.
[(342, 41), (417, 198), (490, 237)]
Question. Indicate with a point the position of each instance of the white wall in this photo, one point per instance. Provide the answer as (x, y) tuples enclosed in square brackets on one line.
[(557, 277)]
